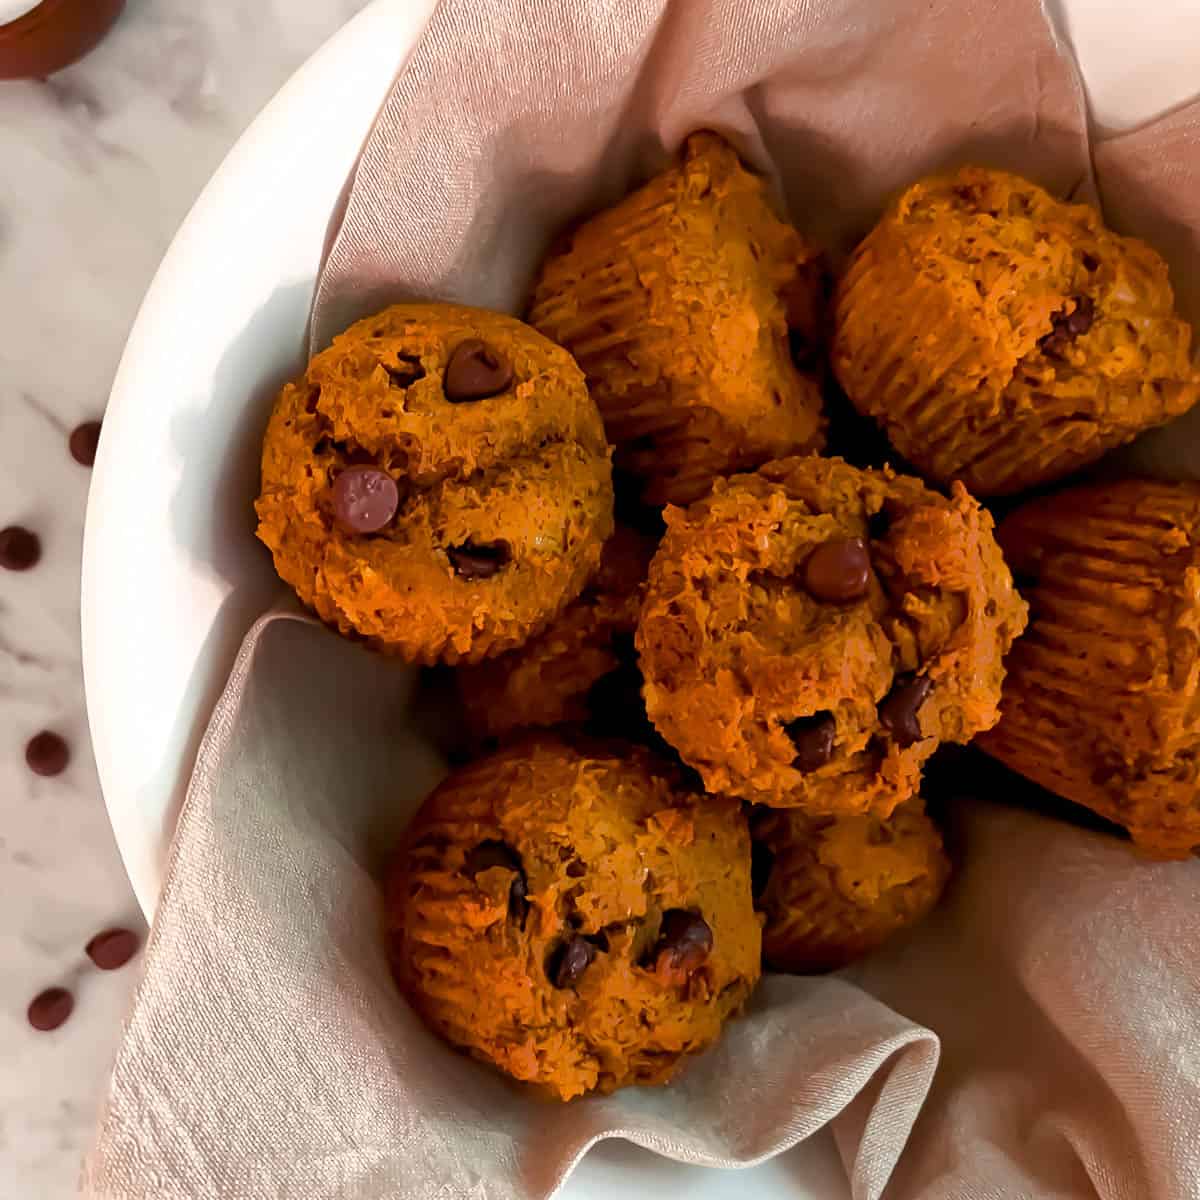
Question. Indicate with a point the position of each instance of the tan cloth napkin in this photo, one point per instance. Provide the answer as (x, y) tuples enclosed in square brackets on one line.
[(268, 1055)]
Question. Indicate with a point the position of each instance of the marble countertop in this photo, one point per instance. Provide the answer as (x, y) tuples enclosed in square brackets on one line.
[(100, 165)]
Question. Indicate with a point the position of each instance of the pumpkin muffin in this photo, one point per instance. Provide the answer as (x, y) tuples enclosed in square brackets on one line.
[(566, 913), (1102, 700), (550, 680), (835, 888), (811, 633), (695, 313), (437, 482), (1005, 338)]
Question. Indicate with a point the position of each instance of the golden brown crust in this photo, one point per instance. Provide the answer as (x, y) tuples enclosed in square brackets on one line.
[(1101, 703), (837, 888), (734, 649), (1005, 338), (547, 681), (677, 303), (527, 469), (605, 846)]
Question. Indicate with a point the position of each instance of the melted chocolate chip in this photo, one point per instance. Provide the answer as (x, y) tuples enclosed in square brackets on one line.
[(49, 1009), (899, 708), (365, 499), (479, 560), (813, 738), (568, 963), (684, 943), (83, 443), (476, 370), (46, 753), (1090, 261), (762, 862), (1066, 327), (20, 548), (494, 853), (113, 948), (407, 371), (838, 571)]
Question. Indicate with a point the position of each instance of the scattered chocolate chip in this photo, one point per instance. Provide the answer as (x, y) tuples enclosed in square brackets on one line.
[(899, 708), (83, 442), (49, 1009), (365, 499), (321, 446), (46, 753), (407, 371), (684, 942), (1090, 261), (1066, 327), (479, 560), (113, 948), (762, 862), (813, 738), (838, 571), (879, 525), (494, 853), (568, 963), (20, 548), (476, 371)]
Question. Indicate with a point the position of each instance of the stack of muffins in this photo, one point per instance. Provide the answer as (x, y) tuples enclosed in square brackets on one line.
[(699, 733)]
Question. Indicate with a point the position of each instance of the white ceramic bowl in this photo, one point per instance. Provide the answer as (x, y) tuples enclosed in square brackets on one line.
[(172, 576)]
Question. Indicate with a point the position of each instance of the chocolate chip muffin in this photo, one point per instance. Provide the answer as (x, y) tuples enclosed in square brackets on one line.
[(695, 313), (566, 913), (835, 888), (1005, 338), (437, 482), (1102, 701), (811, 632), (553, 678)]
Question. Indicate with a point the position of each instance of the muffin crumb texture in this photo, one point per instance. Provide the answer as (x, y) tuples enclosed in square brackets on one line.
[(811, 632), (1005, 338), (835, 888), (565, 912), (437, 482), (696, 314)]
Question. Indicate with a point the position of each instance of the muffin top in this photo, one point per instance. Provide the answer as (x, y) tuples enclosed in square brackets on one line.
[(811, 632), (1004, 337), (696, 314), (437, 482), (834, 888), (566, 912)]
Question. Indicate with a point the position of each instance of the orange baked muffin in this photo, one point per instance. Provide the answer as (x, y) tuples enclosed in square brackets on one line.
[(811, 633), (1102, 701), (834, 888), (1005, 338), (564, 912), (688, 305), (437, 482), (549, 680)]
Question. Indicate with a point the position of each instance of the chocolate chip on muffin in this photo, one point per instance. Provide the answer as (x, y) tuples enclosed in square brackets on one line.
[(437, 483)]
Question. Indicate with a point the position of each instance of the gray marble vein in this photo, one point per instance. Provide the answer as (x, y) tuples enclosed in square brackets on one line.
[(100, 164)]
